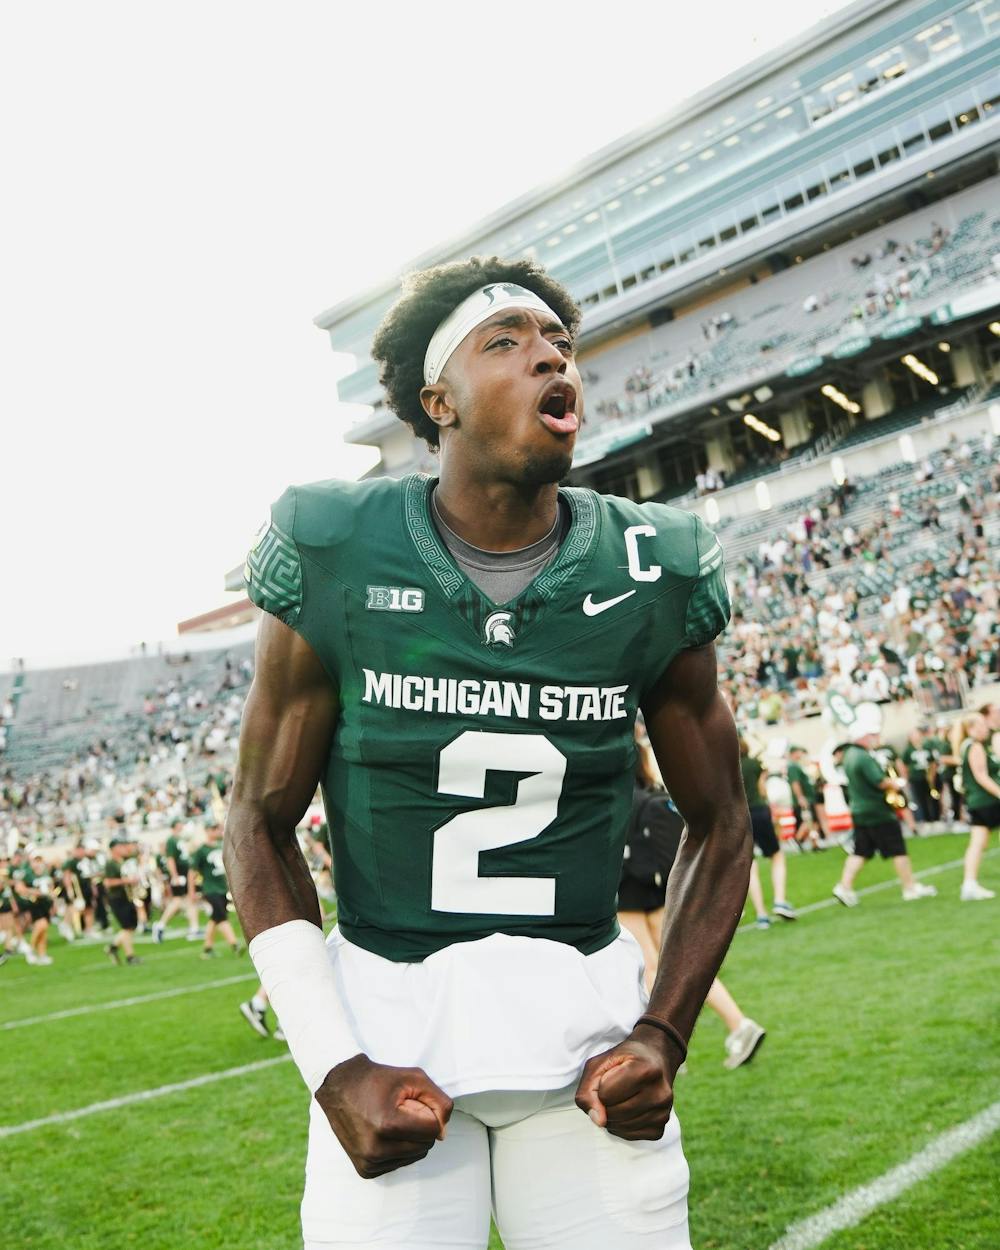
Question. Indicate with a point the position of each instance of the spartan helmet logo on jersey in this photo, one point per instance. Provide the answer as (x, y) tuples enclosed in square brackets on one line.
[(498, 630)]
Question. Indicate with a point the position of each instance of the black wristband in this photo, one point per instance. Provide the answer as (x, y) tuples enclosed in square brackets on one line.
[(670, 1031)]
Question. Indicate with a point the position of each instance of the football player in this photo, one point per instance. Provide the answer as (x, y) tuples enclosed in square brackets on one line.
[(459, 660)]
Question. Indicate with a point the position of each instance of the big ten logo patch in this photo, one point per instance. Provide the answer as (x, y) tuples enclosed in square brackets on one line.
[(395, 599)]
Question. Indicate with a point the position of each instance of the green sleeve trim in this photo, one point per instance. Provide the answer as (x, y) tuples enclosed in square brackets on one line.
[(708, 609), (273, 575)]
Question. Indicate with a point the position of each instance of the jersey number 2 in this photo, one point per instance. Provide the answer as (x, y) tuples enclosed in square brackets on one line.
[(456, 885)]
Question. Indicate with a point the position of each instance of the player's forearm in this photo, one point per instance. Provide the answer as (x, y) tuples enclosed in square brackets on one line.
[(705, 897), (268, 875)]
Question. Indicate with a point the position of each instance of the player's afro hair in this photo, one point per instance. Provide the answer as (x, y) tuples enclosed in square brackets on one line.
[(429, 295)]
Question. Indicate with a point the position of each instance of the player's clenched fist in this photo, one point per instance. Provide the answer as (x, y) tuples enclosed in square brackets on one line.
[(629, 1090), (384, 1117)]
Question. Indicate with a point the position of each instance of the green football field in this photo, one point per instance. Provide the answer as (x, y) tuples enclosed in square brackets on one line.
[(882, 1036)]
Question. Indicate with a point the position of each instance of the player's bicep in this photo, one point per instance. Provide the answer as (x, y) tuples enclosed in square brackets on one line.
[(288, 725), (693, 736)]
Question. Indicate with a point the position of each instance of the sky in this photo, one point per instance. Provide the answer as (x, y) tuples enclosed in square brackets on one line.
[(189, 185)]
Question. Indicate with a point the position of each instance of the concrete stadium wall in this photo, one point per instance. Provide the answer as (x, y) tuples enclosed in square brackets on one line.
[(898, 720)]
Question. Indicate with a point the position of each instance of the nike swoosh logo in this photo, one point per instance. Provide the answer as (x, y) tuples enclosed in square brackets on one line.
[(593, 609)]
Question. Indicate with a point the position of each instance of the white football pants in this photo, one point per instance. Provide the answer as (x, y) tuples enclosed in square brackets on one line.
[(554, 1181)]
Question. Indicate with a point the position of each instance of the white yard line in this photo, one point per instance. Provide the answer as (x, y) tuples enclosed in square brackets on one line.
[(853, 1207), (142, 1095), (892, 884), (87, 1010)]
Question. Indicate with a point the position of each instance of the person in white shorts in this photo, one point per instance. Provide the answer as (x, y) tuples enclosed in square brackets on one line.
[(459, 661)]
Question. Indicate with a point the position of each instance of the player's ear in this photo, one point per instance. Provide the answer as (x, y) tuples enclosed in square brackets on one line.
[(437, 403)]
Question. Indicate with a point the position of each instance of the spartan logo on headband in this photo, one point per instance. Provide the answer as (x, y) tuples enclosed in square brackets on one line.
[(511, 288), (472, 312)]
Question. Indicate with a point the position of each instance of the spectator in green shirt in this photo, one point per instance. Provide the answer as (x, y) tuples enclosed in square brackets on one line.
[(207, 861), (876, 827), (918, 760)]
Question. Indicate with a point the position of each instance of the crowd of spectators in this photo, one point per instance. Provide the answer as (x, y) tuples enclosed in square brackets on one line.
[(840, 601), (164, 761)]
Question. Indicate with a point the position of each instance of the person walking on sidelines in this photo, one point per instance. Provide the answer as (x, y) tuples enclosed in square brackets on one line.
[(766, 841), (207, 861), (981, 787), (180, 885), (808, 829), (121, 876), (873, 800), (654, 836)]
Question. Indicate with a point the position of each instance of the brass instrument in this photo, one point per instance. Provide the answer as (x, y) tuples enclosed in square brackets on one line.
[(895, 797)]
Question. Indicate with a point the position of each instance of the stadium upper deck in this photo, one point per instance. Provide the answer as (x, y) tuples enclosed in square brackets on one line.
[(882, 111)]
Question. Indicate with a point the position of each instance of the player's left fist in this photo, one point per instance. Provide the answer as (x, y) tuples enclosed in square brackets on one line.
[(629, 1089)]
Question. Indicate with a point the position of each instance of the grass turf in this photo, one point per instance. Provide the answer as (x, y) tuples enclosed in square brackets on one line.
[(880, 1037)]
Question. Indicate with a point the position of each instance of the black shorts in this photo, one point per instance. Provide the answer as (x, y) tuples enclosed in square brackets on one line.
[(87, 893), (124, 912), (40, 908), (988, 816), (762, 827), (640, 895), (219, 906), (178, 891), (886, 838)]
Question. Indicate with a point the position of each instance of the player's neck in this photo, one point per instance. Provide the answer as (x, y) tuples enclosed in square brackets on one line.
[(497, 516)]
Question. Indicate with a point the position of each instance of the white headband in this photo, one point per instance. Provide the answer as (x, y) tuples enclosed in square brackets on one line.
[(471, 313)]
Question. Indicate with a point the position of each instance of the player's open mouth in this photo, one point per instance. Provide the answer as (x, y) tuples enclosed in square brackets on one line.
[(557, 407)]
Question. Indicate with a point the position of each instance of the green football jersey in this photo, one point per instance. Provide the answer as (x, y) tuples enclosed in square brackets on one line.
[(207, 860), (480, 776)]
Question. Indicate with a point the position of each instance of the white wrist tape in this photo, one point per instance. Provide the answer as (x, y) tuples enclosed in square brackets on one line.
[(295, 971)]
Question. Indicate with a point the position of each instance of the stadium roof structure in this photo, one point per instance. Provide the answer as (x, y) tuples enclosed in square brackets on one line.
[(715, 93), (876, 114)]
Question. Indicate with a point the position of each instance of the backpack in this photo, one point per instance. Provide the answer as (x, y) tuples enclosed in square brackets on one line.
[(654, 834)]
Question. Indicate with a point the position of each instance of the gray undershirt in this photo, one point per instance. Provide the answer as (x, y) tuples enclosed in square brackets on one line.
[(502, 575)]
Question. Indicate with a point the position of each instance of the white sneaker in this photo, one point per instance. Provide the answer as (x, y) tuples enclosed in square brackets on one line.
[(43, 960), (973, 892), (843, 895), (256, 1019), (919, 890), (30, 956), (743, 1043)]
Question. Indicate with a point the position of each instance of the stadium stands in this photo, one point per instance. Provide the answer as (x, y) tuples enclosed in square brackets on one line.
[(863, 290)]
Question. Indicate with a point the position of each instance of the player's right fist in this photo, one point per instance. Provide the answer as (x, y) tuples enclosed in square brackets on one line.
[(383, 1117)]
